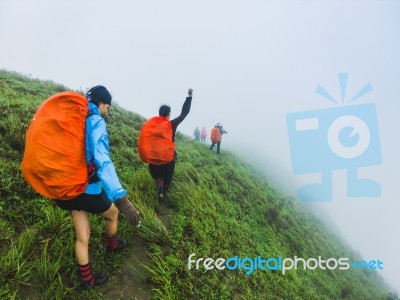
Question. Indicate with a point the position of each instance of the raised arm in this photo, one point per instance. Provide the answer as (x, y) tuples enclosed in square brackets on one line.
[(185, 111)]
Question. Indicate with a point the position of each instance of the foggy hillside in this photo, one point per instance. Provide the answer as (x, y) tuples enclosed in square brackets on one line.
[(217, 208)]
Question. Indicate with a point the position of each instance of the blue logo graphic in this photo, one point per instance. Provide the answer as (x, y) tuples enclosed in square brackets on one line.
[(251, 264), (345, 137)]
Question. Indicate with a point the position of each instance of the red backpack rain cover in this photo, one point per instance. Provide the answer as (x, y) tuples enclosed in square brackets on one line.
[(155, 143), (54, 161), (215, 135)]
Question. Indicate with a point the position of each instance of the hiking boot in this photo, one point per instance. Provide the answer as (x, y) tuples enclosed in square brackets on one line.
[(121, 244), (99, 279)]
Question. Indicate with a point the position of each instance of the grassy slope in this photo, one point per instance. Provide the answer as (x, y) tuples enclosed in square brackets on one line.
[(220, 208)]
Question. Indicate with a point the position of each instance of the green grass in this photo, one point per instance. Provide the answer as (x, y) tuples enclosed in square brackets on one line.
[(218, 208)]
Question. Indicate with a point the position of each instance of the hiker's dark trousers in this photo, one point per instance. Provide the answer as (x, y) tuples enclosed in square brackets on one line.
[(165, 171), (218, 146)]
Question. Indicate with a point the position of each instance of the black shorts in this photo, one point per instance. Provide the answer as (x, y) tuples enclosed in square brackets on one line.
[(165, 171), (90, 203)]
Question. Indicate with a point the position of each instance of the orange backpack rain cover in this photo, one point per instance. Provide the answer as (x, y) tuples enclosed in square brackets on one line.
[(155, 143), (215, 135), (54, 161)]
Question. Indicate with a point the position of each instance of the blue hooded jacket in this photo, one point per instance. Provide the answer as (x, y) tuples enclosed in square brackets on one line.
[(97, 151)]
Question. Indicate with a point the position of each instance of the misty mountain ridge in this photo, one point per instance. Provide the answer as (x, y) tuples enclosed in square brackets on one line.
[(218, 207)]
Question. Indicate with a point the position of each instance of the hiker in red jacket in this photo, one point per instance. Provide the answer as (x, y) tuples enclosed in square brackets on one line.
[(216, 136)]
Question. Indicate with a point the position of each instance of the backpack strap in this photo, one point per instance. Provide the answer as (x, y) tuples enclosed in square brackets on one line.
[(92, 169)]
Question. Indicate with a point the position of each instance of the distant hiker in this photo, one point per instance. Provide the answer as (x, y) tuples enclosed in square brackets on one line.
[(103, 190), (203, 134), (156, 144), (196, 134), (216, 136)]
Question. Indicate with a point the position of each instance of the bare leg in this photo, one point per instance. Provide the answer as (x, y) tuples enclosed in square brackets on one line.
[(111, 216), (80, 219)]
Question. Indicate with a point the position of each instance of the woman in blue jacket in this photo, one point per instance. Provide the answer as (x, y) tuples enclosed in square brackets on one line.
[(103, 191)]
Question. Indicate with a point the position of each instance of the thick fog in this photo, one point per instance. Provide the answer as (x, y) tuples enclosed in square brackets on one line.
[(254, 66)]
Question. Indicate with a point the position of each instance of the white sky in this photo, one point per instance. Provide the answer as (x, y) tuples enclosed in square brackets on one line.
[(249, 62)]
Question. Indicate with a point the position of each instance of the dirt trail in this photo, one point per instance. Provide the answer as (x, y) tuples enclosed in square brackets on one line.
[(132, 282)]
